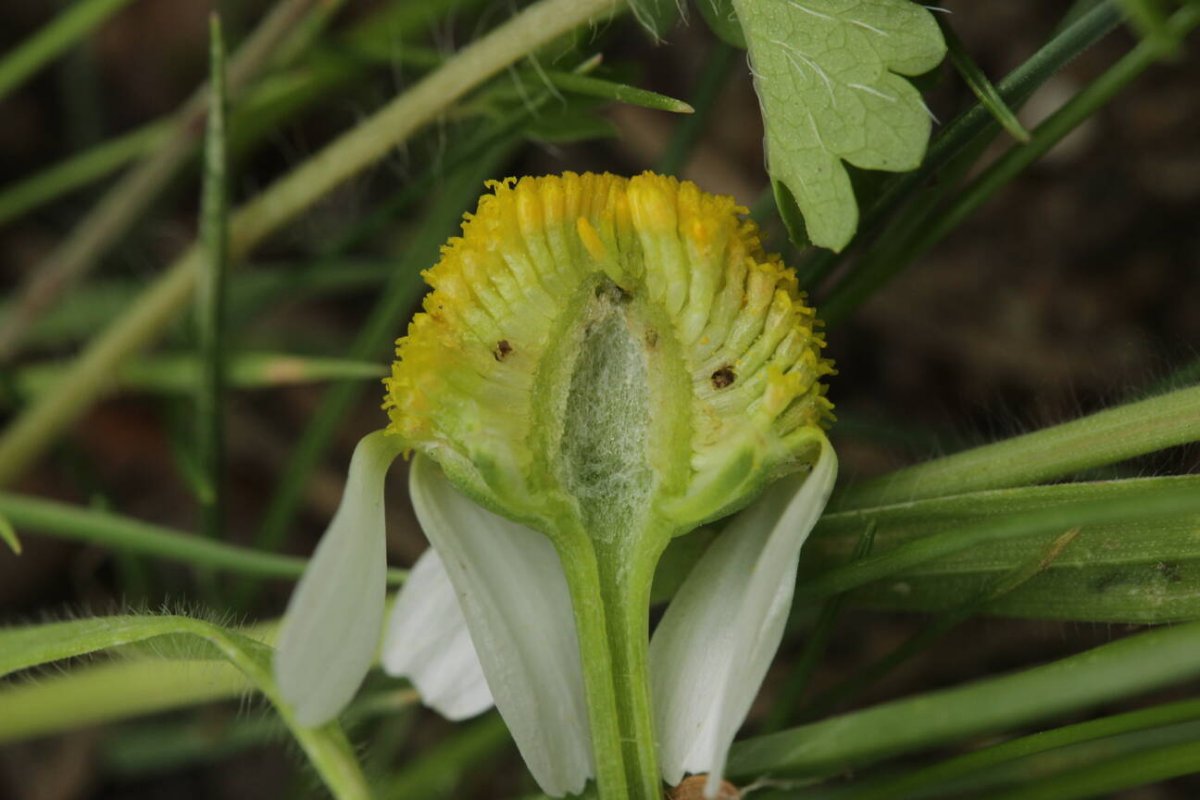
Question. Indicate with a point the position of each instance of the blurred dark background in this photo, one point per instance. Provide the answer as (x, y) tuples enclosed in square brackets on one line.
[(1077, 287)]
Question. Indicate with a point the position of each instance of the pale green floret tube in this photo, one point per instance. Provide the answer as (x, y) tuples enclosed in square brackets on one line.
[(604, 364)]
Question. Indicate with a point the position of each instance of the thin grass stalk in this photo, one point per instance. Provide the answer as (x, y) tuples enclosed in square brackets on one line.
[(126, 202), (36, 429)]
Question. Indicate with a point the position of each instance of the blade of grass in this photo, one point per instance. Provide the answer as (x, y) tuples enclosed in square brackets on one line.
[(34, 430), (181, 373), (68, 28), (326, 747), (1103, 438), (1130, 666), (118, 532), (1112, 775), (793, 690), (1118, 501), (128, 200), (1154, 593), (77, 171), (210, 297), (978, 81), (921, 641), (264, 106), (8, 534), (1026, 760)]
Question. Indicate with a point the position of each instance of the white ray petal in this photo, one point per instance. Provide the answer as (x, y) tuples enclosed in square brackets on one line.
[(427, 642), (333, 621), (514, 597), (712, 648)]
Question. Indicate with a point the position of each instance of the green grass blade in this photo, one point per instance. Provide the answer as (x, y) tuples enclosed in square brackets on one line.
[(978, 81), (1112, 775), (8, 534), (210, 296), (27, 436), (1026, 757), (126, 202), (1106, 437), (959, 612), (1124, 668), (78, 171), (326, 747), (112, 530), (181, 374), (70, 26), (1127, 501)]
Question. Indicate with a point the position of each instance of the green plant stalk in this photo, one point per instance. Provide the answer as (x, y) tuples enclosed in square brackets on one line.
[(862, 283), (126, 202), (1112, 775), (1153, 500), (261, 109), (73, 24), (610, 597), (210, 297), (34, 430), (1099, 439), (112, 691), (326, 746), (942, 624), (1025, 746), (123, 533), (1129, 666)]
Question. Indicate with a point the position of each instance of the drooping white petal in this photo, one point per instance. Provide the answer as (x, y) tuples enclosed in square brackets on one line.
[(514, 597), (712, 648), (427, 642), (332, 624)]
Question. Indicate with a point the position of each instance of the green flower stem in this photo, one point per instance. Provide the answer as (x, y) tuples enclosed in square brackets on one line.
[(123, 533), (32, 432), (1127, 667), (610, 595), (582, 571), (1103, 438), (626, 582)]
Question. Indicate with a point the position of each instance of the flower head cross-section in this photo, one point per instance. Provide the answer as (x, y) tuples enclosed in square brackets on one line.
[(604, 364)]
